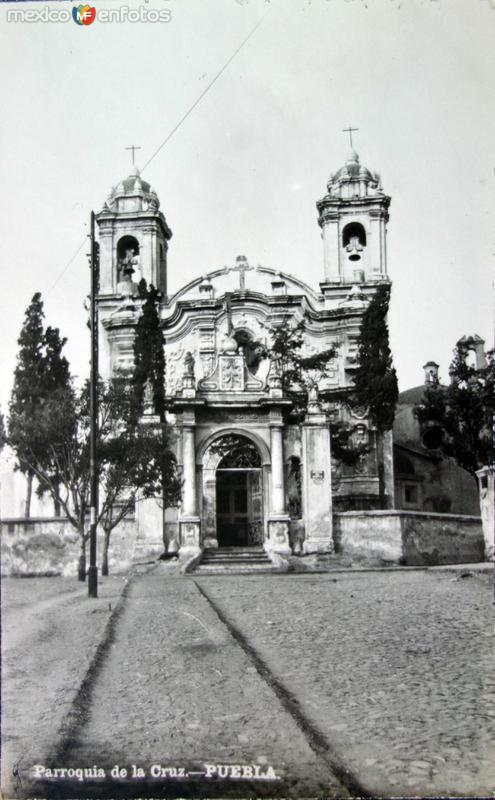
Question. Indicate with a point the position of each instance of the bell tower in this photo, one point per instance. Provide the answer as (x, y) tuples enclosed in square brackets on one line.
[(353, 218), (133, 236)]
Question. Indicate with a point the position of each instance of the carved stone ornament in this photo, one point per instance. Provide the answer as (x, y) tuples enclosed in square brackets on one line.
[(357, 412), (148, 399), (231, 375)]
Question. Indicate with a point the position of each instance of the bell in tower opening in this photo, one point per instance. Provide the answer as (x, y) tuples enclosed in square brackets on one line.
[(134, 236), (127, 258), (354, 240)]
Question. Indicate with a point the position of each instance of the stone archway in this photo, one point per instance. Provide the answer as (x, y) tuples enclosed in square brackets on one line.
[(235, 483)]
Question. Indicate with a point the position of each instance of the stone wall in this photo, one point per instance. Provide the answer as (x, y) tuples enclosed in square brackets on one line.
[(51, 547), (412, 538)]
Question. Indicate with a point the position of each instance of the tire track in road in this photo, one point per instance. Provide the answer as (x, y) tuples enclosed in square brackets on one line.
[(315, 738), (164, 693)]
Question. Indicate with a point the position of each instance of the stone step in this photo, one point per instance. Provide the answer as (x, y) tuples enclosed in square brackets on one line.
[(235, 550), (260, 563), (234, 555), (247, 556), (233, 569), (234, 560)]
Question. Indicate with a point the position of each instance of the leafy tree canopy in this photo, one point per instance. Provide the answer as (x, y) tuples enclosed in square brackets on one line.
[(300, 371), (41, 373), (149, 357), (463, 411), (375, 380)]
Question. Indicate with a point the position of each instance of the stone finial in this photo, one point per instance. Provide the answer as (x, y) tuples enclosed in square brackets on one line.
[(206, 289), (229, 345), (279, 287), (314, 406), (275, 380)]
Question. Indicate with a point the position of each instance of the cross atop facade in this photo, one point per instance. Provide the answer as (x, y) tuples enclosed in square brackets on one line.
[(242, 267), (350, 131), (133, 147)]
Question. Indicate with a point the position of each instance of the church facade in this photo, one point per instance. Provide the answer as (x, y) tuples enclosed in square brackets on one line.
[(251, 477)]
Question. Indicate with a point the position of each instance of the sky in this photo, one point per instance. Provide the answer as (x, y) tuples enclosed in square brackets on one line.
[(242, 173)]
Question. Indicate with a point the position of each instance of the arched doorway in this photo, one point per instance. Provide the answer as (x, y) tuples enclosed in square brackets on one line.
[(239, 492)]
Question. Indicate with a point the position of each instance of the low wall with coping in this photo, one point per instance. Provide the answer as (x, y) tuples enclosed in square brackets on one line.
[(412, 538), (51, 547)]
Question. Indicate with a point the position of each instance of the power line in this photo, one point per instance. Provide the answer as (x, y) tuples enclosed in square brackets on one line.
[(174, 129), (229, 61), (67, 265)]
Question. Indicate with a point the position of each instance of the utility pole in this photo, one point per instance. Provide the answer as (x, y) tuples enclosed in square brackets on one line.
[(93, 412)]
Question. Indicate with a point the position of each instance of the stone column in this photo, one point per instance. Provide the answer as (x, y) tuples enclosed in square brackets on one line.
[(485, 478), (317, 487), (146, 255), (331, 250), (277, 455), (209, 508), (189, 519), (383, 245), (108, 280), (278, 520), (374, 247), (150, 541)]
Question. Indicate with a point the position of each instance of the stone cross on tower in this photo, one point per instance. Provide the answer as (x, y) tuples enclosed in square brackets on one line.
[(242, 267), (133, 147), (350, 131)]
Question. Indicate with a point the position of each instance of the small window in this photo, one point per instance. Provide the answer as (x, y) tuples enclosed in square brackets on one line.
[(411, 494)]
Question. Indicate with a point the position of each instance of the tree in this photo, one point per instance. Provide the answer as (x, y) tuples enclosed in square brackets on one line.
[(459, 417), (27, 392), (375, 380), (149, 371), (130, 459), (299, 372), (149, 355), (41, 369), (49, 428), (56, 372)]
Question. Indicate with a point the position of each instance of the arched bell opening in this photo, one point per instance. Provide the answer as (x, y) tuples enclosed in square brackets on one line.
[(354, 240), (127, 257)]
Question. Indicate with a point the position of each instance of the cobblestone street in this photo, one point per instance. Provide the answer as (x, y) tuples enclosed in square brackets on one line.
[(397, 669), (379, 683), (177, 690)]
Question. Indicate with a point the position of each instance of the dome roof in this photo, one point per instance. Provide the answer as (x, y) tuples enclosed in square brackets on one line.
[(129, 183), (132, 194), (353, 170), (353, 180)]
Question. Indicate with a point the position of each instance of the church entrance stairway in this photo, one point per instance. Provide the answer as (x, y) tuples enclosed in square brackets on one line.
[(235, 560)]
